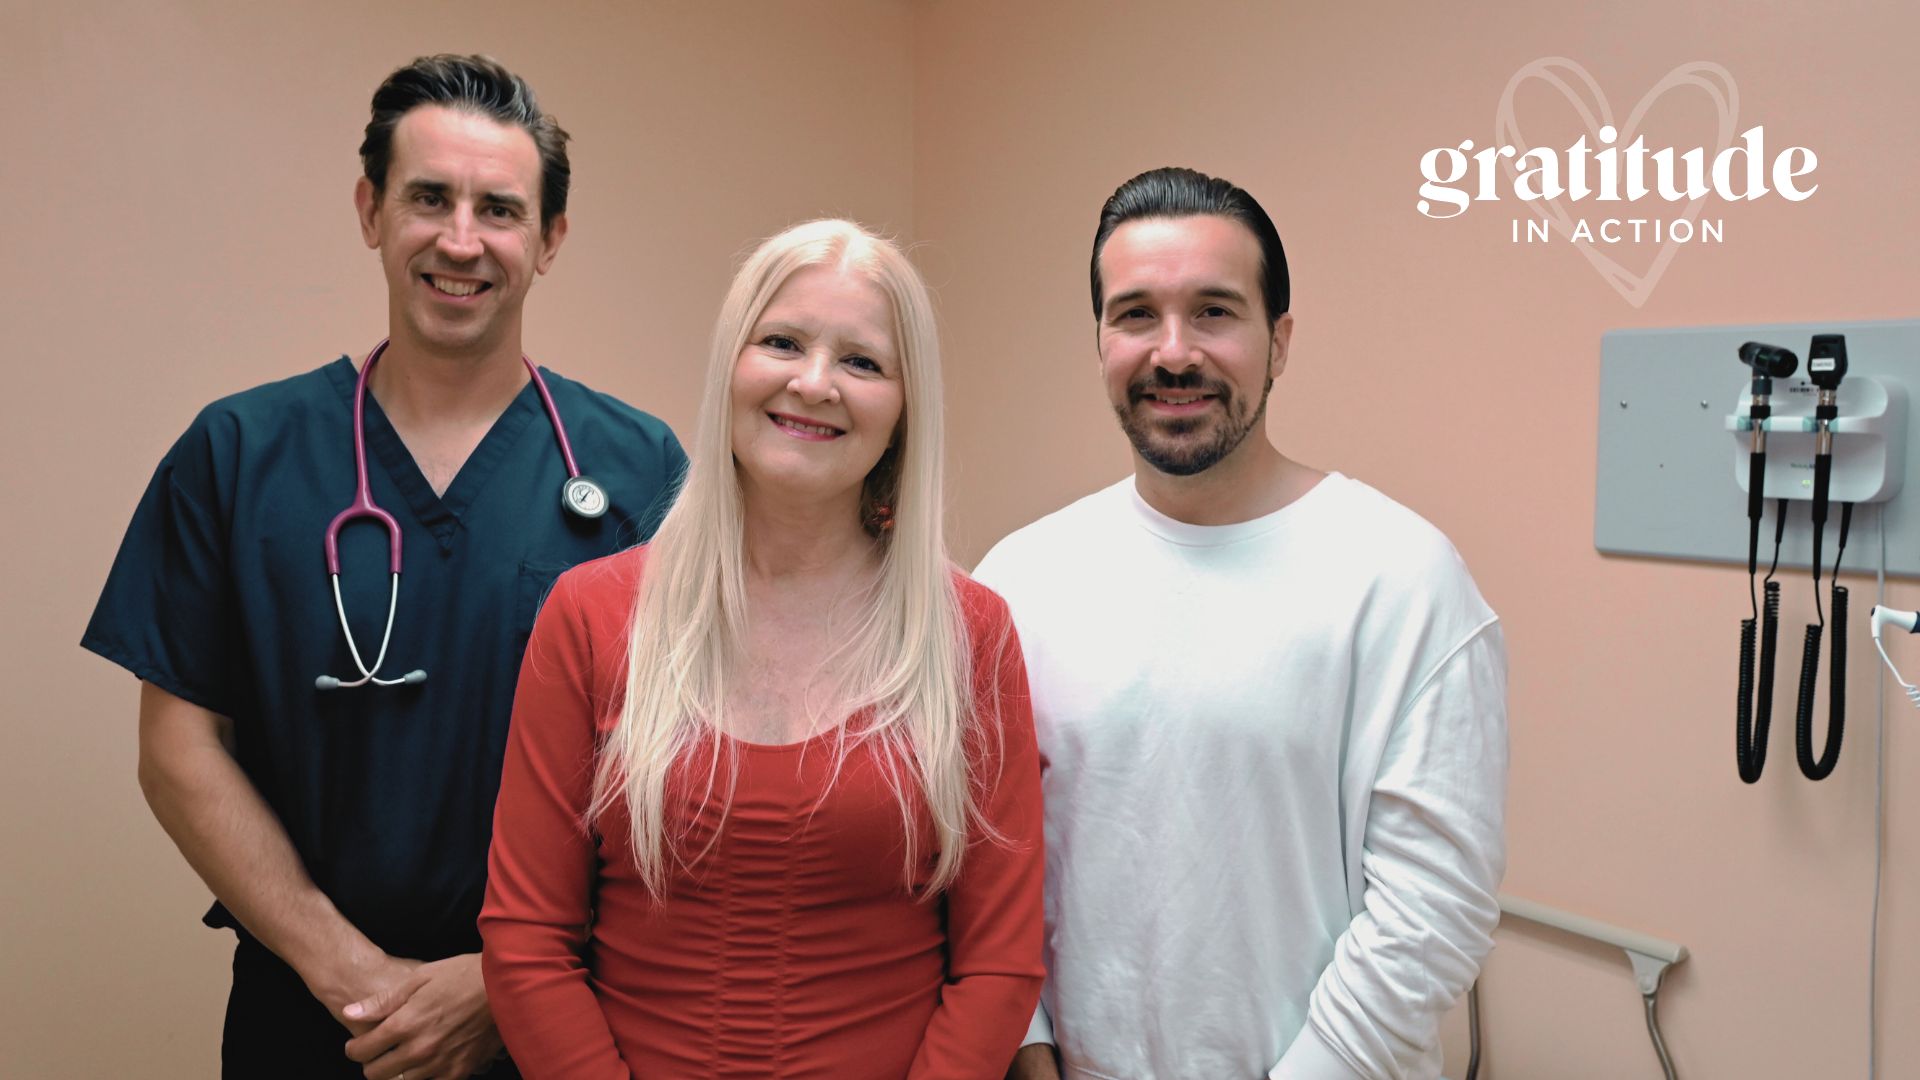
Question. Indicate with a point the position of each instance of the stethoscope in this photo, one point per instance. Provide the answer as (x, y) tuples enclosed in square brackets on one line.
[(580, 495)]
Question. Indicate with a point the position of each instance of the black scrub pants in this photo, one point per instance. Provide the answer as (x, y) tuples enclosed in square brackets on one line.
[(277, 1030)]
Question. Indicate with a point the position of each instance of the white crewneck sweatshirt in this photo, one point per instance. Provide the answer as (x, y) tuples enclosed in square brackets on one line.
[(1274, 799)]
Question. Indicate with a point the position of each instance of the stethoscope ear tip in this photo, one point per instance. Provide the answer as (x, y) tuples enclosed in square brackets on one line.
[(414, 677), (326, 682)]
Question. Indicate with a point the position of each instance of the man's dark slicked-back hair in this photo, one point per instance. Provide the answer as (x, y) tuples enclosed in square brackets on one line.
[(480, 85), (1177, 193)]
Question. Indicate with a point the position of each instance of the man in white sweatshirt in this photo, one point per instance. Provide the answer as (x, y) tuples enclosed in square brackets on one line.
[(1273, 703)]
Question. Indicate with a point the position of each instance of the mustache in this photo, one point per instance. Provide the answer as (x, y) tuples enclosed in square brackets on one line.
[(1190, 381)]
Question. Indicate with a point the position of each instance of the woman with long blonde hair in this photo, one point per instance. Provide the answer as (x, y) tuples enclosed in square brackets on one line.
[(771, 798)]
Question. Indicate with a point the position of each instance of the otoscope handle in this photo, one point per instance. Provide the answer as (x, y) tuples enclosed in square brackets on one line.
[(1756, 500), (1822, 483), (1822, 479)]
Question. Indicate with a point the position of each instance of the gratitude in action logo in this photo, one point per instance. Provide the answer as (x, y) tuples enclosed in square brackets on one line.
[(1610, 163)]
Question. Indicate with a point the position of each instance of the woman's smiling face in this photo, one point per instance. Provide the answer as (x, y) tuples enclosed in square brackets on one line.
[(817, 391)]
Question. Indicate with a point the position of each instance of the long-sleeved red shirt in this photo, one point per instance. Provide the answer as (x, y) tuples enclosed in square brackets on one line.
[(790, 947)]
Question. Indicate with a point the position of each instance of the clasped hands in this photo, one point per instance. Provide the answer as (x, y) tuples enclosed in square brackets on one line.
[(421, 1021)]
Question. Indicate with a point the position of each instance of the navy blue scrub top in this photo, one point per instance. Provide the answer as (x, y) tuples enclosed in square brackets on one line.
[(220, 596)]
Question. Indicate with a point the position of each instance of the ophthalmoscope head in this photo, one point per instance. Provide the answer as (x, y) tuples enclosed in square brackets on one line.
[(1827, 361)]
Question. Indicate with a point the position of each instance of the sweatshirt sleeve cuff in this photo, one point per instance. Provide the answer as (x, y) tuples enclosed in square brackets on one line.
[(1041, 1030), (1310, 1058)]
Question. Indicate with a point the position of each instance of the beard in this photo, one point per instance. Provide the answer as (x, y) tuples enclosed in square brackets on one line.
[(1189, 445)]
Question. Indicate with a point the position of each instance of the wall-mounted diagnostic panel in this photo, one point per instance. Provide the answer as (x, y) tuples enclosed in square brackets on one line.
[(1745, 444), (1676, 430)]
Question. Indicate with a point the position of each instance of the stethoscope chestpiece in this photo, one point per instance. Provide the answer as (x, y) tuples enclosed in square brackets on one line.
[(583, 497)]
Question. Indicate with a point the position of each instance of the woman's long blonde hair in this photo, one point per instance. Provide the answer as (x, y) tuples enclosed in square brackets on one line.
[(903, 667)]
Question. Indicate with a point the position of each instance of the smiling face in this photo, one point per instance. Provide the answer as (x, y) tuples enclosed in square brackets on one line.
[(458, 229), (816, 391), (1186, 352)]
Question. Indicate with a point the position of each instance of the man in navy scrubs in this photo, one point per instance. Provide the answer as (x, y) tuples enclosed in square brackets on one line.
[(344, 830)]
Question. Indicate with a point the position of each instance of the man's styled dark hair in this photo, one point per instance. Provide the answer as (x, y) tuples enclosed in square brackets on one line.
[(478, 84), (1177, 193)]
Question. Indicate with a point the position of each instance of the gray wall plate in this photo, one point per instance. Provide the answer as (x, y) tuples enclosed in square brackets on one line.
[(1666, 485)]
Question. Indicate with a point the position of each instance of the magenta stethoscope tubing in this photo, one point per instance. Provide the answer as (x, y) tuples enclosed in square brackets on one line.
[(580, 495), (553, 414), (363, 506)]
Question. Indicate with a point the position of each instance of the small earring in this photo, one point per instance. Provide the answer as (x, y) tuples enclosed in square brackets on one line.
[(879, 518)]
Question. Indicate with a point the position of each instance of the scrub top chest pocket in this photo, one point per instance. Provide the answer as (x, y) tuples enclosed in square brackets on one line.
[(536, 581)]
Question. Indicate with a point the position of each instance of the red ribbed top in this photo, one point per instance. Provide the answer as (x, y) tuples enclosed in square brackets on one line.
[(791, 947)]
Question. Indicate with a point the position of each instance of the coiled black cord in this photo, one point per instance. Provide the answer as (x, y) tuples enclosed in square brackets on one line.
[(1821, 768), (1753, 719)]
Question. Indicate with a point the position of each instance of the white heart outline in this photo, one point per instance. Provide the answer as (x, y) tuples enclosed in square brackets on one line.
[(1634, 288)]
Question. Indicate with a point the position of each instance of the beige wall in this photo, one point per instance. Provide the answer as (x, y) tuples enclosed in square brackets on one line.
[(181, 227), (1457, 372)]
